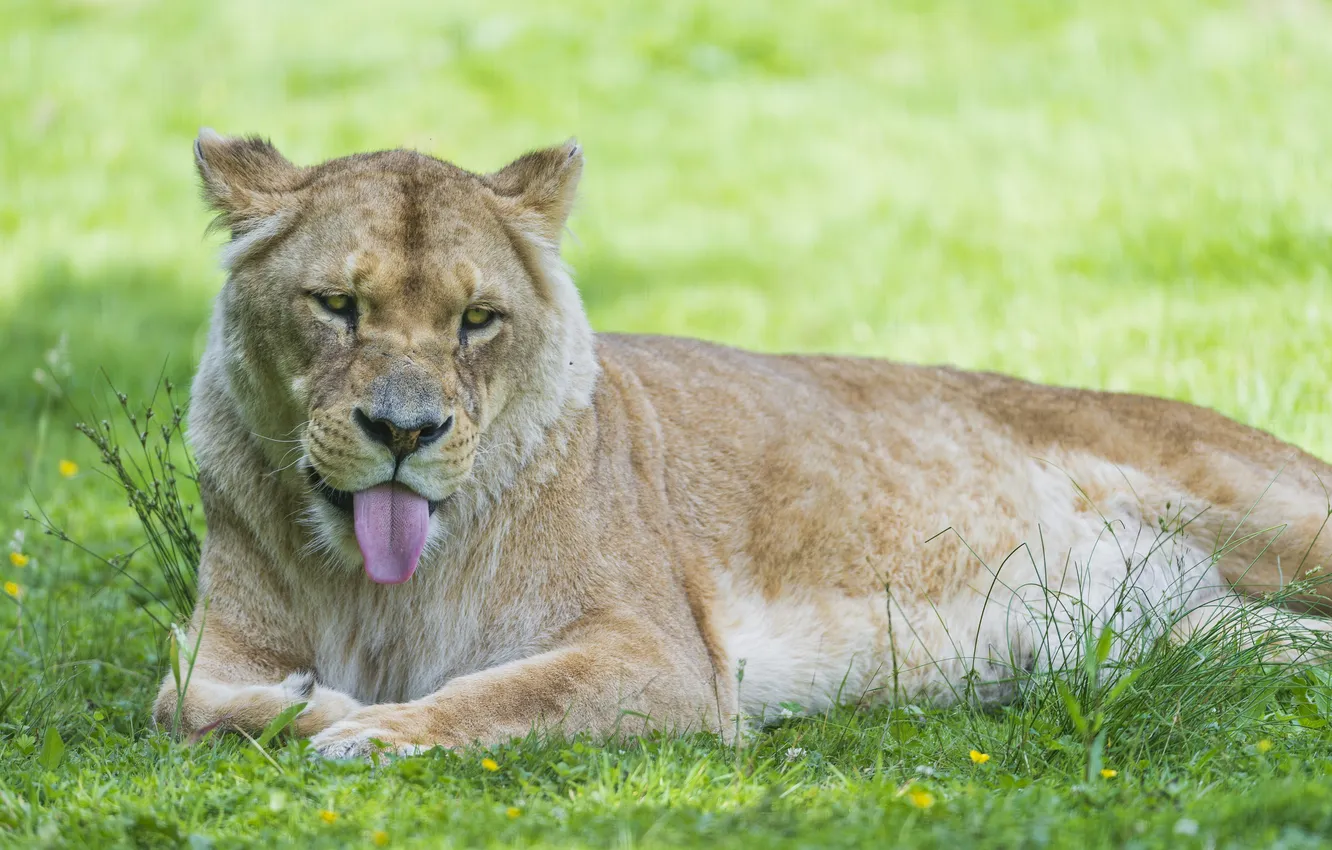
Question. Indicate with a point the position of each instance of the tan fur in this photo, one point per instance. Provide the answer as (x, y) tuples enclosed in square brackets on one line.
[(624, 522)]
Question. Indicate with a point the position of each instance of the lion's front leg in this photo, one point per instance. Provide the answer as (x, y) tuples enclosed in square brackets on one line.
[(234, 685), (209, 704), (596, 687)]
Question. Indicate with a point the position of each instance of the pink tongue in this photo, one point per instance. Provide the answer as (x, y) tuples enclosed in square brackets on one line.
[(391, 526)]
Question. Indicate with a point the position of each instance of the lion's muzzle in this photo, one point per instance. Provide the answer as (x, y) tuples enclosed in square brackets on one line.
[(402, 438), (406, 411)]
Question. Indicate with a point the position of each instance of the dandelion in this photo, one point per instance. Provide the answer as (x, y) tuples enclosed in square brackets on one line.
[(1264, 746), (979, 757), (327, 816), (18, 559), (513, 812), (379, 838), (490, 765), (68, 469), (1107, 773), (13, 589), (921, 798)]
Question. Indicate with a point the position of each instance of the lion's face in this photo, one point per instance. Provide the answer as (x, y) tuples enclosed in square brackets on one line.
[(385, 311)]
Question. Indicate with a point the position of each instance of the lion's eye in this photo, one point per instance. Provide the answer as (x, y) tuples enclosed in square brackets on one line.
[(477, 317), (338, 305)]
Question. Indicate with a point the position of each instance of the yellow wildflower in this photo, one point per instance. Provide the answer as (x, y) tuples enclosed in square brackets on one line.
[(921, 798), (68, 469), (1264, 746), (18, 559), (490, 765), (1107, 773), (979, 757), (379, 838), (513, 812), (13, 589), (327, 816)]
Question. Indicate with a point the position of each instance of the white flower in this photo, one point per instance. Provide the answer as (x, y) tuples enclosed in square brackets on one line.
[(793, 753)]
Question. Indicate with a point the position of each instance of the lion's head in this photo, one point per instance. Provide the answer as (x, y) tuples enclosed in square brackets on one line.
[(394, 329)]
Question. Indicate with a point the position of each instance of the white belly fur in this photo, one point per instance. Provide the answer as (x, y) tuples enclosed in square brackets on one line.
[(1079, 571)]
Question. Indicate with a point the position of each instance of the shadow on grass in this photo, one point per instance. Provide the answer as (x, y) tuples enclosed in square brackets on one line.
[(126, 325), (128, 322)]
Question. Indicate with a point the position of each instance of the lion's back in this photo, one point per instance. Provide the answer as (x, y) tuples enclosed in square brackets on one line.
[(807, 468)]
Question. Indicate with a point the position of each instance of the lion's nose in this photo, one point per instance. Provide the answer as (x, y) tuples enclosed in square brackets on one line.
[(402, 437)]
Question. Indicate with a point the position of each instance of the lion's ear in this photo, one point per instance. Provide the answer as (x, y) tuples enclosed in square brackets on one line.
[(245, 180), (541, 187)]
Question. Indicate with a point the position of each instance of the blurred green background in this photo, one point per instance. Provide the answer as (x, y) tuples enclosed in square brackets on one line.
[(1128, 195), (1124, 194)]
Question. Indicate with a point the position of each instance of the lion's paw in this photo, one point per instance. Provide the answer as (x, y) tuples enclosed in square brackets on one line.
[(362, 739), (253, 707), (298, 687)]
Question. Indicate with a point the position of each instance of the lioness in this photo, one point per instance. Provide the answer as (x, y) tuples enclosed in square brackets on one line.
[(441, 511)]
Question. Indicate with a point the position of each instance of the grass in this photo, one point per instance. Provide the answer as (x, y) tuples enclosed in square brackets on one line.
[(1125, 195)]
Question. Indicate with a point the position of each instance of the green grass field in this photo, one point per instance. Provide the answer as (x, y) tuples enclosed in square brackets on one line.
[(1124, 195)]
